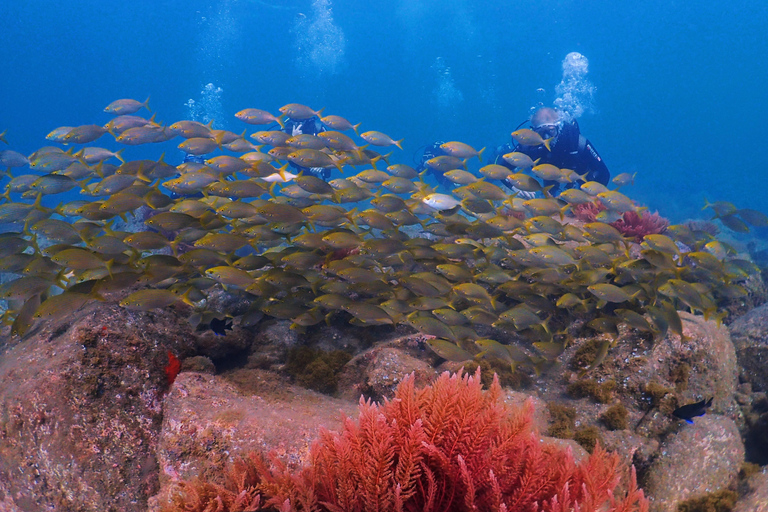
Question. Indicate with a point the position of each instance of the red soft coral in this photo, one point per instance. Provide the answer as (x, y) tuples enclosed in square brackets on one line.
[(587, 212), (448, 447), (631, 224), (638, 225)]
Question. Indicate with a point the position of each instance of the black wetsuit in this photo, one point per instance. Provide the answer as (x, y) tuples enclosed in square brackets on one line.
[(570, 150), (311, 126)]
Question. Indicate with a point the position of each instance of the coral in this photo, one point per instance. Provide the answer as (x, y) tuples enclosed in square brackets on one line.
[(637, 225), (615, 417), (448, 447)]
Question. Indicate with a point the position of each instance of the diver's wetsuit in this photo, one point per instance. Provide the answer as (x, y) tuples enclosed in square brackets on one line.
[(571, 150), (311, 126)]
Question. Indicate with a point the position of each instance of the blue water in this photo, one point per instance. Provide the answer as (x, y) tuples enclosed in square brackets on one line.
[(678, 86)]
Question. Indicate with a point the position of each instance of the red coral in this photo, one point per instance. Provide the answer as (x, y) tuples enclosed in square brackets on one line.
[(631, 224), (587, 212), (448, 447), (638, 225)]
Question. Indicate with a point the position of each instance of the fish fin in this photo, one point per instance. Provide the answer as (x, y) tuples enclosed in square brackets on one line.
[(2, 136), (547, 143), (479, 155), (688, 421), (355, 127), (279, 120), (38, 204), (146, 104)]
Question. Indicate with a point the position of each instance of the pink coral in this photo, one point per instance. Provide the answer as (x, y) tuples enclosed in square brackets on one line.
[(448, 447)]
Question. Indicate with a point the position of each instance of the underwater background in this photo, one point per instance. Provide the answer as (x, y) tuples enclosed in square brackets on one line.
[(674, 90)]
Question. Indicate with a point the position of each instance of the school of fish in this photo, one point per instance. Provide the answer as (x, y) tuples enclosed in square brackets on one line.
[(377, 246)]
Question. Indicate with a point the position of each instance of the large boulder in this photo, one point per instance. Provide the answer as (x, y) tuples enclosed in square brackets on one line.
[(750, 337), (211, 420), (80, 409), (697, 460)]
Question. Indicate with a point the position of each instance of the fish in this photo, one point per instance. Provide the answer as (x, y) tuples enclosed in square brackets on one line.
[(753, 217), (519, 160), (734, 223), (199, 146), (257, 116), (624, 179), (528, 137), (689, 411), (299, 111), (146, 300), (220, 326), (380, 139), (448, 350), (616, 201), (126, 106), (440, 201), (84, 134), (593, 188), (461, 150), (335, 122), (610, 293)]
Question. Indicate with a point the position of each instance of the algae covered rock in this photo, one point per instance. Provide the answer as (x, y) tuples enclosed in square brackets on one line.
[(697, 460), (80, 410)]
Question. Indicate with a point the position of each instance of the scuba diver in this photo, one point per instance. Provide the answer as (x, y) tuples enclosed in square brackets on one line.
[(569, 150), (311, 126)]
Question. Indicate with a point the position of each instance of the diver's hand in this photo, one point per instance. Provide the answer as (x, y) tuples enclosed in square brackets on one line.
[(296, 130)]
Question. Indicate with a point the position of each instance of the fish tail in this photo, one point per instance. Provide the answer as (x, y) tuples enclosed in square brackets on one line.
[(2, 136), (547, 143), (355, 128), (146, 104), (480, 155), (119, 155), (279, 120), (397, 143)]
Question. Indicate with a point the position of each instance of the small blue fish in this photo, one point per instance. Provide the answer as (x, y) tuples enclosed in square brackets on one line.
[(689, 411)]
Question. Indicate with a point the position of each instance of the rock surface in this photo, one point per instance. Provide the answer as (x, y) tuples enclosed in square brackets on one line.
[(699, 459), (80, 409), (209, 421), (756, 499), (750, 337)]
